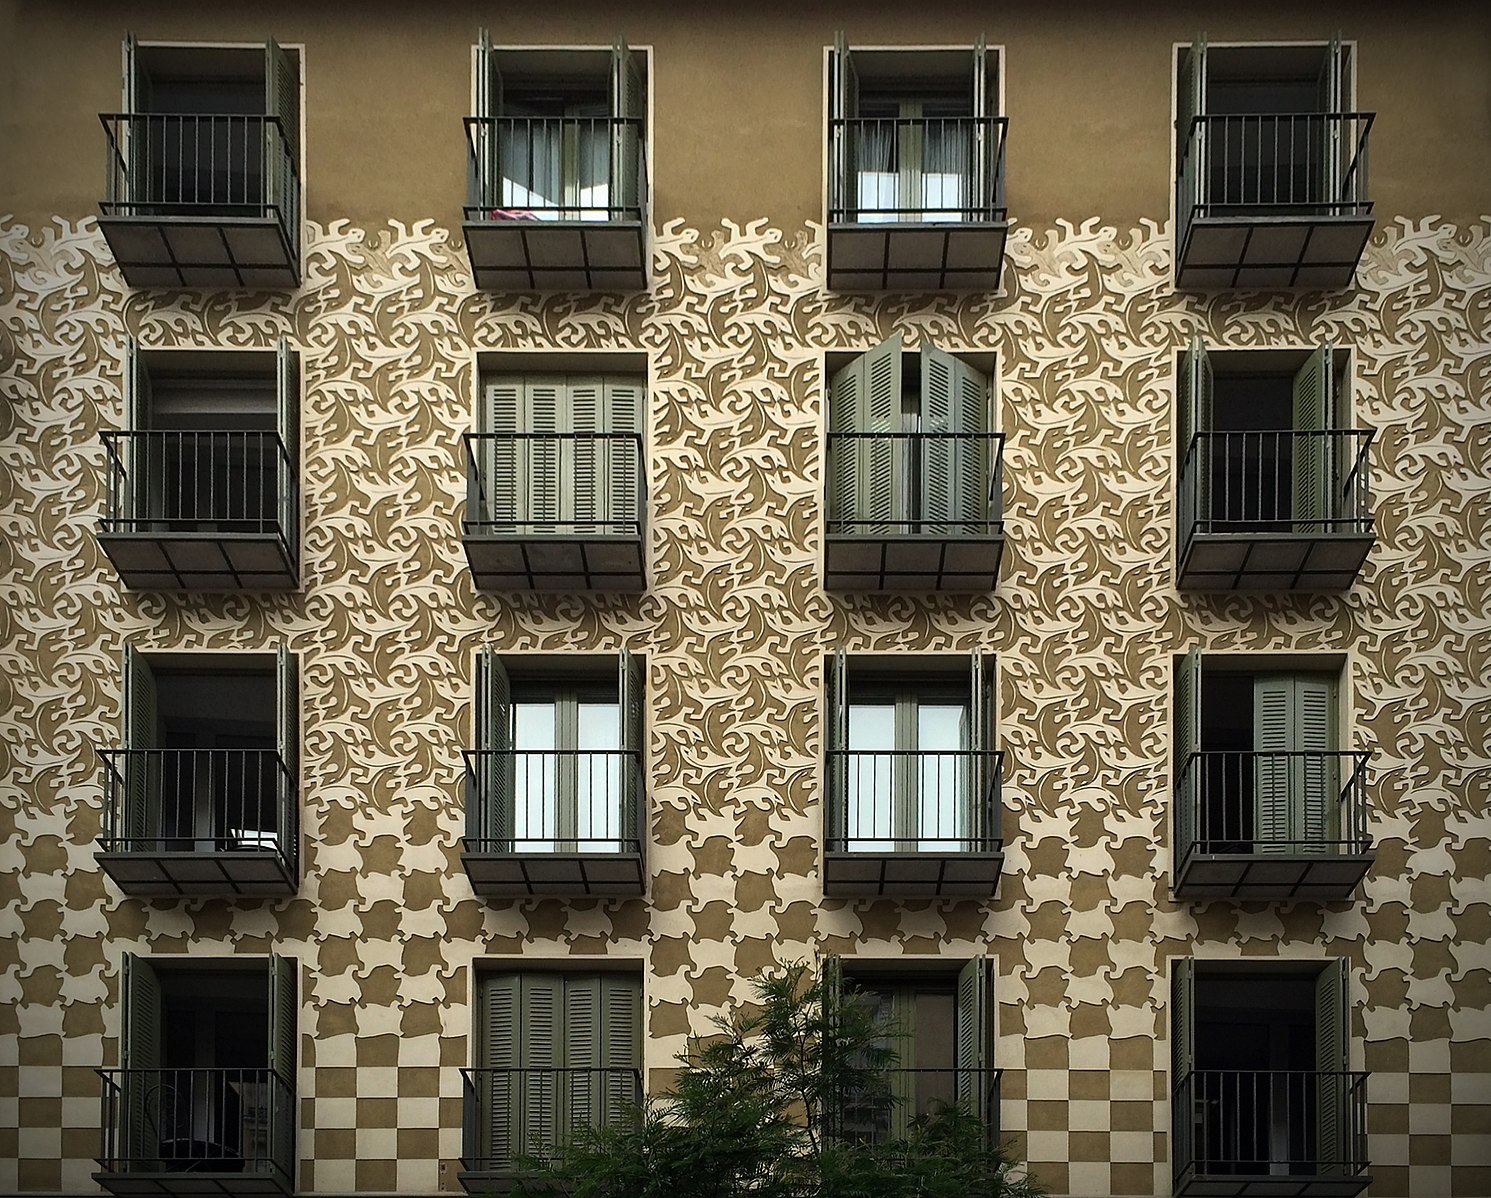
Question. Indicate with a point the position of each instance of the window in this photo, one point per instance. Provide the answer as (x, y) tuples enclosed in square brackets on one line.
[(555, 1052)]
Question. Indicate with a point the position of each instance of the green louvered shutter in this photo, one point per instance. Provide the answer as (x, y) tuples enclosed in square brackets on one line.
[(541, 1051), (1314, 388), (1194, 417), (544, 481), (282, 157), (1331, 99), (1186, 1107), (974, 1043), (144, 1102), (499, 1117), (140, 811), (487, 105), (1190, 153), (632, 691), (580, 1057), (843, 99), (140, 487), (286, 471), (625, 402), (835, 743), (982, 821), (621, 1043), (583, 496), (1315, 779), (955, 458), (490, 815), (1295, 796), (629, 108), (831, 991), (502, 460), (284, 1060), (1276, 829), (287, 785), (1332, 1028), (133, 181), (981, 197), (846, 403), (1188, 770)]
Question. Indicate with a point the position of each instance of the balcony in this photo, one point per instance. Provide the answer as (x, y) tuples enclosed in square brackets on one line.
[(557, 204), (201, 511), (1272, 201), (1274, 511), (555, 823), (1272, 826), (182, 823), (512, 1114), (916, 204), (201, 201), (1270, 1134), (197, 1132), (878, 1118), (946, 536), (913, 824), (555, 511)]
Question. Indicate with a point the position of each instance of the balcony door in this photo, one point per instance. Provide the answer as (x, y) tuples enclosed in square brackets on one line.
[(555, 1053), (1297, 778)]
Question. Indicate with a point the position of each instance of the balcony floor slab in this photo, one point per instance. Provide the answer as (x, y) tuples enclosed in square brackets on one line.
[(961, 564), (962, 875), (199, 560), (1244, 561), (181, 1184), (1271, 877), (556, 562), (560, 875), (916, 255), (1270, 252), (1227, 1185), (202, 251), (247, 873), (514, 254)]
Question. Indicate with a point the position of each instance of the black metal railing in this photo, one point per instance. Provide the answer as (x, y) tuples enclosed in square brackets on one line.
[(198, 1121), (196, 801), (229, 481), (556, 168), (530, 1112), (910, 169), (535, 801), (1261, 803), (219, 165), (885, 1113), (1275, 164), (917, 484), (906, 800), (566, 484), (1311, 481), (1270, 1122)]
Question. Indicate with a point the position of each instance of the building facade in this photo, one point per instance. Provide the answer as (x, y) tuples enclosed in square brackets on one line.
[(509, 532)]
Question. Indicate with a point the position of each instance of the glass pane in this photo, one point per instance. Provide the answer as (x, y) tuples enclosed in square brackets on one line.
[(535, 777), (943, 776), (870, 771), (598, 778), (593, 193), (945, 170)]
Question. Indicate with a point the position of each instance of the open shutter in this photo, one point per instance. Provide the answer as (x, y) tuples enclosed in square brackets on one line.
[(1314, 387), (955, 466), (491, 818), (1332, 1028), (1186, 1109), (628, 110), (281, 136), (133, 185), (287, 785), (1194, 417), (831, 995), (543, 483), (500, 482), (486, 106), (287, 469), (843, 107), (625, 401), (284, 1060), (984, 813), (499, 1119), (1315, 778), (982, 199), (1331, 99), (1276, 829), (140, 812), (1190, 144), (541, 1057), (974, 1043), (632, 690), (132, 499), (869, 466), (835, 743), (145, 1105), (621, 1044), (1188, 772)]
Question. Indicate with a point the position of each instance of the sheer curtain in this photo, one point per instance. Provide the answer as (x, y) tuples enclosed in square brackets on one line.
[(914, 168), (557, 167)]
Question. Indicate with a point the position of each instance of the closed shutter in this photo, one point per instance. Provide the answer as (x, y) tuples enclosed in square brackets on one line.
[(621, 1044), (1332, 1027), (1273, 715), (1186, 1108), (1316, 777), (584, 470), (865, 398), (282, 158), (974, 1043), (1295, 785), (541, 1053), (632, 692), (628, 108), (140, 811), (625, 401), (499, 1117), (836, 742), (544, 481), (580, 1057), (1190, 151), (955, 467), (1194, 458), (502, 454), (984, 813), (1188, 772), (287, 469), (145, 1106), (491, 818), (1314, 488), (284, 1059), (287, 785), (843, 100)]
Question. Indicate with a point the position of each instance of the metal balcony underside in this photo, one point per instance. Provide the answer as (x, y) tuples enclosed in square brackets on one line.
[(916, 255), (557, 255), (1258, 252), (1272, 561), (202, 251), (934, 874), (912, 562), (489, 1181), (161, 558), (192, 1184), (566, 562), (579, 874), (235, 873), (1272, 877), (1237, 1185)]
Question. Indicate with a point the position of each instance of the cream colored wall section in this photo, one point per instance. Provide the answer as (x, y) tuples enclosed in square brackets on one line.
[(1085, 624)]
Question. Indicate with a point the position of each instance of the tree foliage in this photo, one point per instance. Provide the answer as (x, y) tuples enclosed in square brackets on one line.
[(765, 1108)]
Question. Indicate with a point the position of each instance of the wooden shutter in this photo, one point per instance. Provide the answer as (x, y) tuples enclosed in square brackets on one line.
[(843, 105), (1193, 417), (584, 497), (284, 1057), (579, 1053), (984, 810), (632, 690), (1314, 398), (541, 1053), (625, 401), (1315, 779), (1276, 826), (140, 811), (281, 158), (621, 1042), (499, 1118), (955, 466), (1186, 1109), (287, 786), (1295, 797), (1331, 98), (1188, 774), (831, 997), (1190, 103), (287, 470), (1332, 1029), (628, 108), (982, 197), (140, 1036), (869, 471), (502, 454), (486, 106), (543, 484), (835, 742), (134, 500), (133, 180), (974, 1042), (490, 817)]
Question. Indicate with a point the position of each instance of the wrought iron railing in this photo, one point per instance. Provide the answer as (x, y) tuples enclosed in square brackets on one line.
[(884, 1114), (1311, 481), (909, 801), (565, 484), (1262, 803), (910, 169), (1311, 164), (916, 484), (556, 168), (219, 165), (533, 801), (230, 481), (515, 1113), (198, 1121), (197, 801), (1270, 1122)]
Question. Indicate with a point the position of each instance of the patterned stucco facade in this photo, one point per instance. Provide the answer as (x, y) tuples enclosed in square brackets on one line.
[(1085, 624)]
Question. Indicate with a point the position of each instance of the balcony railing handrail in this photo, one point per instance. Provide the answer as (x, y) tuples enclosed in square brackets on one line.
[(485, 182), (484, 778), (553, 459), (912, 444), (981, 811), (988, 205)]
